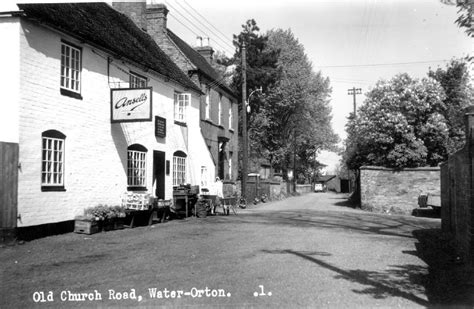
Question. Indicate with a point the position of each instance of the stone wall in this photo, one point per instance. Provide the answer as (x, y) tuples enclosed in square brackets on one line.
[(396, 191), (303, 189)]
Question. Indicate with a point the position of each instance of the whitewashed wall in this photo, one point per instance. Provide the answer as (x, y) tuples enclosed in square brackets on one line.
[(9, 79), (95, 149)]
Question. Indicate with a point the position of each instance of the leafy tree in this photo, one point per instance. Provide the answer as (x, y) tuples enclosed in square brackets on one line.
[(294, 122), (464, 20), (261, 63), (400, 125), (459, 94), (292, 118)]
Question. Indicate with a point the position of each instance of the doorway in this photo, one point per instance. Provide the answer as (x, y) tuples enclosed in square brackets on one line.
[(159, 173)]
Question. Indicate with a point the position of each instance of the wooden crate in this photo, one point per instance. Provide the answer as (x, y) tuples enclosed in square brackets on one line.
[(86, 226)]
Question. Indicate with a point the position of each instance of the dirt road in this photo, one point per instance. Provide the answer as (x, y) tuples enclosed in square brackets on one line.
[(307, 251)]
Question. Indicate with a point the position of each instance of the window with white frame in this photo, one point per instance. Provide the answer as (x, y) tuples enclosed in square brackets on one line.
[(136, 166), (204, 177), (179, 168), (70, 67), (181, 100), (220, 109), (137, 81), (52, 160), (230, 165), (208, 102), (231, 116)]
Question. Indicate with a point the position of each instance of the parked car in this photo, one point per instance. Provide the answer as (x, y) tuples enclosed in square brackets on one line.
[(319, 187)]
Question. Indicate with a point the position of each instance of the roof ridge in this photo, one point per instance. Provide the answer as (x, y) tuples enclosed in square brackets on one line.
[(200, 62), (98, 23)]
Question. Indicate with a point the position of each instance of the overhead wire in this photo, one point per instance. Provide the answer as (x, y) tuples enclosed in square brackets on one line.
[(204, 18), (193, 24), (217, 36), (379, 64)]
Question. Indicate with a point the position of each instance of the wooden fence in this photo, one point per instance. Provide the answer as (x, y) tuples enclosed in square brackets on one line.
[(8, 185)]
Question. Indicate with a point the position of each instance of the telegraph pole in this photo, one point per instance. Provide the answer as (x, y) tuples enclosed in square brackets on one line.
[(353, 92), (244, 122)]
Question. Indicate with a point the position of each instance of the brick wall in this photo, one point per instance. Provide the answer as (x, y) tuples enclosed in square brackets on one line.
[(457, 195), (391, 191)]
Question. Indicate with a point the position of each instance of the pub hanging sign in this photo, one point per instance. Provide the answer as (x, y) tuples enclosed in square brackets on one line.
[(131, 104)]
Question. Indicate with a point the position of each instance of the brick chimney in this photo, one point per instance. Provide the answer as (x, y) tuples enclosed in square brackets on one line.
[(206, 51), (134, 10), (156, 17)]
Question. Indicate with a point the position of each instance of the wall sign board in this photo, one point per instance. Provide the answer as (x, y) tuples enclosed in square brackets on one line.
[(160, 126), (131, 104)]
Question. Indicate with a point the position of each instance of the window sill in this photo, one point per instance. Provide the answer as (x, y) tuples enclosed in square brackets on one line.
[(53, 189), (179, 123), (221, 126), (231, 130), (71, 94), (136, 188)]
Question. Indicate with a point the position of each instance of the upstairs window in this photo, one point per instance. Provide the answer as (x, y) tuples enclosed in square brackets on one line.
[(220, 109), (136, 167), (52, 161), (137, 81), (70, 68), (231, 116), (208, 102), (181, 100)]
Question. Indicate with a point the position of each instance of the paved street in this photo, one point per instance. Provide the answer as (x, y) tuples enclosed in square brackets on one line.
[(306, 251)]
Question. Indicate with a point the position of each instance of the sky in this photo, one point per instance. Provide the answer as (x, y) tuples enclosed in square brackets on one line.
[(353, 42)]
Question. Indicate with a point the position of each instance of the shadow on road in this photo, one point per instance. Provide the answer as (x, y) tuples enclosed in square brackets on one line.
[(397, 226), (344, 201), (399, 281), (447, 283)]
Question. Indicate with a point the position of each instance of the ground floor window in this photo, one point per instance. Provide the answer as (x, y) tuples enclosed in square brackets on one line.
[(136, 167), (179, 168), (204, 177), (230, 165), (52, 160)]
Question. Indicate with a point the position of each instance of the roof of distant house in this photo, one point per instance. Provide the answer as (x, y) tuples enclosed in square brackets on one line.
[(100, 25), (324, 178), (200, 62)]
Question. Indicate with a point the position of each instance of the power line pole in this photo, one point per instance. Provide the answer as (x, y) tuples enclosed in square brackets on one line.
[(353, 92), (244, 122)]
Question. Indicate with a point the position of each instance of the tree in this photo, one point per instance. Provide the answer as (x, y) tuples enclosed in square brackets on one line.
[(464, 20), (291, 121), (459, 94), (401, 124), (262, 70), (294, 122)]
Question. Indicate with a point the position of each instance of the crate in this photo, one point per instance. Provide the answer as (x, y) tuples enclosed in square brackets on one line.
[(83, 226)]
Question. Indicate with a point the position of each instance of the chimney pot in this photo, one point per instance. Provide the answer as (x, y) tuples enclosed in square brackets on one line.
[(198, 41)]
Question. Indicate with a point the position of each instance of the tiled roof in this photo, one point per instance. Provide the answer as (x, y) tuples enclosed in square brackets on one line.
[(200, 62), (101, 25), (324, 178)]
